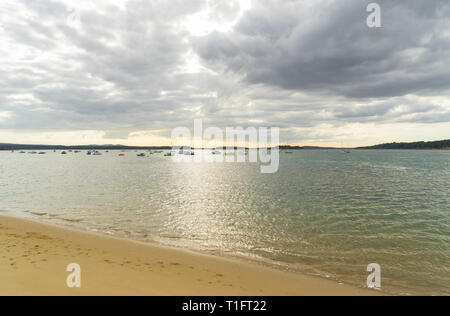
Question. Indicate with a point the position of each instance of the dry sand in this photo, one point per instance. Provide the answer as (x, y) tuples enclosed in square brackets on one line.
[(34, 258)]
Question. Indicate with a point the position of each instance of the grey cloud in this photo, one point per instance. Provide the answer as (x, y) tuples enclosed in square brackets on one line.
[(328, 47), (224, 11), (111, 72)]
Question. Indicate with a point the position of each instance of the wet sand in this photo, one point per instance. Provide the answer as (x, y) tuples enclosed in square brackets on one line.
[(34, 258)]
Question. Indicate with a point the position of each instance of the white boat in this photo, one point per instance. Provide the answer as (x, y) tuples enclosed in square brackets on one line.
[(97, 153)]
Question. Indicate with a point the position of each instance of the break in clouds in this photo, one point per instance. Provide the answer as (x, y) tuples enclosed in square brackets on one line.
[(130, 71)]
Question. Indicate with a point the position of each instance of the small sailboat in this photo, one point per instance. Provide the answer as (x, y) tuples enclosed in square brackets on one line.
[(215, 152), (89, 153), (63, 153), (97, 153), (141, 155)]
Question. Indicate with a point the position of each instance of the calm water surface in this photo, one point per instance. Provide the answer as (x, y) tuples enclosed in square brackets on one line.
[(324, 213)]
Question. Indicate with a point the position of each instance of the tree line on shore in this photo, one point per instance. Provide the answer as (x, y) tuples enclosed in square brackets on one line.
[(441, 144)]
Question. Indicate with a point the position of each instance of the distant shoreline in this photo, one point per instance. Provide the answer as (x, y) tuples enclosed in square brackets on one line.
[(435, 145)]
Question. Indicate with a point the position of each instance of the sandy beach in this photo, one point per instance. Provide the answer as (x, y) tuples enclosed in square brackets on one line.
[(35, 256)]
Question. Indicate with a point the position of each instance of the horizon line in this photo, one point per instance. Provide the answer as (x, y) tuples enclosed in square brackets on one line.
[(4, 145)]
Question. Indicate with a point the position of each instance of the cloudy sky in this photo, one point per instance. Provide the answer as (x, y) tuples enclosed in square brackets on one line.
[(129, 71)]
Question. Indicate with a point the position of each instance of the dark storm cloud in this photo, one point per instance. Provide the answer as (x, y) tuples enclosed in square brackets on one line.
[(328, 47)]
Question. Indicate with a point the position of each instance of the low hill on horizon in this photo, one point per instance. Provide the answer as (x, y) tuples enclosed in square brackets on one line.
[(440, 144)]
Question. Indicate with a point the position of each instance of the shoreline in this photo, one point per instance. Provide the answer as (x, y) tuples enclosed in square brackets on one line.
[(36, 255)]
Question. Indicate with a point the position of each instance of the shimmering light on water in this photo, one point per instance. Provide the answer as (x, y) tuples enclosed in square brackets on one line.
[(324, 213)]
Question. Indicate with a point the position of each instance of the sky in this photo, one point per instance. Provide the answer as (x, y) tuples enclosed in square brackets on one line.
[(130, 71)]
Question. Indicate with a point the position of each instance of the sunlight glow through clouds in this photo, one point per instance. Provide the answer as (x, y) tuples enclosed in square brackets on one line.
[(4, 115), (205, 22), (192, 65)]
